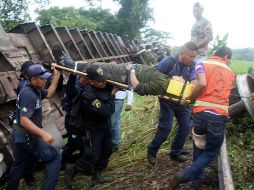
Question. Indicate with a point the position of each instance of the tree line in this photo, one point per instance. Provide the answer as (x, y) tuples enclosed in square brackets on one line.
[(131, 21)]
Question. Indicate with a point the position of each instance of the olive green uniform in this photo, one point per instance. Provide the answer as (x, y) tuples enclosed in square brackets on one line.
[(201, 29)]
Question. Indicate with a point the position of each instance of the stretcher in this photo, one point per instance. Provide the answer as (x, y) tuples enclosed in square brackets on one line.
[(177, 90)]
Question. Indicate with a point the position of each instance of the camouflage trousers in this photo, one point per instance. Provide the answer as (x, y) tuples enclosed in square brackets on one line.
[(114, 72)]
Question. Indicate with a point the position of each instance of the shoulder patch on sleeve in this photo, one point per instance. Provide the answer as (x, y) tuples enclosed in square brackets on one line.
[(24, 109), (96, 103)]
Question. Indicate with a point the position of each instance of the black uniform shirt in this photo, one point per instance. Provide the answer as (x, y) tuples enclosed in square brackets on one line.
[(97, 106)]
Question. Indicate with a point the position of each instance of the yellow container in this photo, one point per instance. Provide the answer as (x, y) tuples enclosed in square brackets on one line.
[(175, 88)]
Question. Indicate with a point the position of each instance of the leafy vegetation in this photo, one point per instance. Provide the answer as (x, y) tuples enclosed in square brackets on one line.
[(14, 12), (152, 35), (131, 20), (218, 42), (132, 16), (77, 18), (240, 139), (241, 152)]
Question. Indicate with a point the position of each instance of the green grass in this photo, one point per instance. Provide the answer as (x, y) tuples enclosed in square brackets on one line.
[(240, 149), (241, 66), (138, 127), (240, 140)]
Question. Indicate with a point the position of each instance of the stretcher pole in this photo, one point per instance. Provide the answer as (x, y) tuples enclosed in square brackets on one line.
[(60, 67)]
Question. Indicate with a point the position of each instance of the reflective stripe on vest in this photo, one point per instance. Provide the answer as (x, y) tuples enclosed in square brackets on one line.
[(203, 103), (218, 63)]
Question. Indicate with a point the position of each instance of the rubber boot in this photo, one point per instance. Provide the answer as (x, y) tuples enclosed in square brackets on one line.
[(98, 179), (70, 172)]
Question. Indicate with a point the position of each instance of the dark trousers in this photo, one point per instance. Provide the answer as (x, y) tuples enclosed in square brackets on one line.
[(213, 126), (97, 151), (74, 143), (24, 153), (167, 111)]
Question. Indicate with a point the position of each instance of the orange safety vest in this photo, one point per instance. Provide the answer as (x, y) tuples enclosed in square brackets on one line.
[(215, 97)]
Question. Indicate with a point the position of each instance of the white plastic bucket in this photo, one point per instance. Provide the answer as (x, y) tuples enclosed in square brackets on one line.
[(199, 140), (2, 165)]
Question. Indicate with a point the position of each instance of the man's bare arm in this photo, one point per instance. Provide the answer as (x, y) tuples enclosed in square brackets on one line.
[(29, 126), (199, 86), (52, 87)]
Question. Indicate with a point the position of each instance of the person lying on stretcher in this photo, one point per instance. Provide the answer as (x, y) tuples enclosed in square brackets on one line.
[(145, 80)]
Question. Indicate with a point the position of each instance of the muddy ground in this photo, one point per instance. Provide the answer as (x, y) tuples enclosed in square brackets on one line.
[(140, 176), (145, 177)]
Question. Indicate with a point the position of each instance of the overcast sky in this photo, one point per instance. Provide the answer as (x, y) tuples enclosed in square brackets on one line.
[(175, 16)]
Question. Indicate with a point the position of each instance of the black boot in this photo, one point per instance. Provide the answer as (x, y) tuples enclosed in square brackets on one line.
[(178, 157), (186, 151), (151, 157), (177, 180), (30, 180), (65, 60), (98, 179), (58, 53), (70, 172)]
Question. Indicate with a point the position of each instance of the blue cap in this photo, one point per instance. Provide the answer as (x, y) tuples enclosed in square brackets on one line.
[(37, 70)]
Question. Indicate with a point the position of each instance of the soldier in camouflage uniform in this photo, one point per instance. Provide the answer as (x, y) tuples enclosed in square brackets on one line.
[(201, 32)]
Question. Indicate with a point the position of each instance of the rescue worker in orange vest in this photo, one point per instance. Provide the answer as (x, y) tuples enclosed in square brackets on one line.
[(210, 112)]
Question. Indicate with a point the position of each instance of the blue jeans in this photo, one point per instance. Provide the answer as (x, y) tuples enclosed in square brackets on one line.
[(116, 122), (167, 111), (213, 126), (24, 152)]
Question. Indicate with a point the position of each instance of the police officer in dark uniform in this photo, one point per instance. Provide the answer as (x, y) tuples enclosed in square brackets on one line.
[(29, 138), (28, 173), (74, 128), (97, 107)]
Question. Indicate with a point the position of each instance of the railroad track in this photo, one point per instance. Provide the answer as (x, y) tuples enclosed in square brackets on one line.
[(224, 171)]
